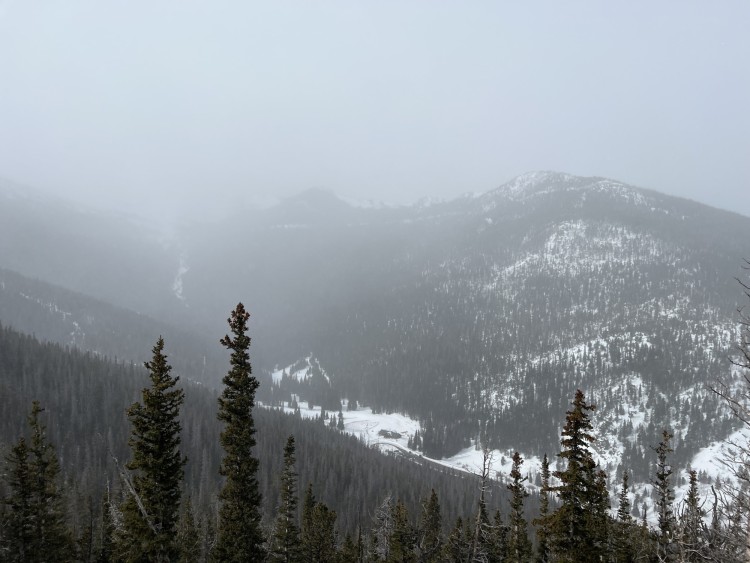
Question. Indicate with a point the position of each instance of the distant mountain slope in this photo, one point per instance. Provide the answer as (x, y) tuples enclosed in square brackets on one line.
[(85, 400), (478, 316), (71, 319), (125, 261)]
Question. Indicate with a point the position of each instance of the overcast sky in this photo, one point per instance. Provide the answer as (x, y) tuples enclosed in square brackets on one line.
[(200, 105)]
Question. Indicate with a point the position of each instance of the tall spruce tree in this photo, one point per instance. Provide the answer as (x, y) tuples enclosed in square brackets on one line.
[(35, 526), (189, 534), (623, 509), (318, 535), (430, 530), (401, 543), (17, 533), (665, 499), (542, 523), (349, 552), (691, 523), (240, 537), (499, 543), (285, 543), (625, 528), (457, 546), (151, 509), (574, 529), (519, 546), (105, 552)]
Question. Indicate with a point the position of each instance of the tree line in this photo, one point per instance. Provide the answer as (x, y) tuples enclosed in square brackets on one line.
[(145, 515)]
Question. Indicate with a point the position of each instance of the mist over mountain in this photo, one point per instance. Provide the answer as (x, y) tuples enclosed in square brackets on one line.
[(473, 316)]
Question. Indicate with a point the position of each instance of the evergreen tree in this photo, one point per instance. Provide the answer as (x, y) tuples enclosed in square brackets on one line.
[(35, 523), (498, 548), (107, 529), (349, 552), (285, 543), (318, 534), (599, 519), (320, 546), (18, 529), (430, 530), (575, 534), (664, 499), (306, 530), (151, 509), (189, 534), (691, 523), (625, 528), (519, 546), (401, 542), (623, 509), (239, 532), (458, 545), (542, 523)]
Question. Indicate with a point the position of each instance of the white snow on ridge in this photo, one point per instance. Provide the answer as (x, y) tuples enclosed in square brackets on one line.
[(535, 184), (576, 247), (300, 370)]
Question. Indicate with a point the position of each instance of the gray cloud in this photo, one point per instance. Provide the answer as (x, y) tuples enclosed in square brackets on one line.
[(189, 106)]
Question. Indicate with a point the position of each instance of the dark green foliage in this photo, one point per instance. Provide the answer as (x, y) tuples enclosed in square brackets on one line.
[(341, 473), (349, 552), (430, 530), (18, 531), (624, 528), (106, 548), (498, 548), (285, 542), (691, 524), (189, 534), (519, 546), (457, 545), (542, 523), (35, 527), (151, 508), (347, 473), (239, 533), (318, 531), (401, 542), (665, 499), (623, 509), (576, 532)]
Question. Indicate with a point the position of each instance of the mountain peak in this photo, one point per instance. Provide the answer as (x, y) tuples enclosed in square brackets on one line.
[(315, 198), (312, 206), (533, 184)]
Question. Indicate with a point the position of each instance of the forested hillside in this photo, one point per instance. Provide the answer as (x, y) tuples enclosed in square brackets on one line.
[(465, 315), (85, 398), (84, 480)]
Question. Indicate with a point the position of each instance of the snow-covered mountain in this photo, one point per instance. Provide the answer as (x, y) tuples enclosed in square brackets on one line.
[(477, 318)]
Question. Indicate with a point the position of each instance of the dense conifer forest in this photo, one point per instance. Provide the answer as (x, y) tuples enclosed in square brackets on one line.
[(104, 461)]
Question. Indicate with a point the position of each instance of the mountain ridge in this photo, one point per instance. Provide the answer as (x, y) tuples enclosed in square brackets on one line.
[(468, 316)]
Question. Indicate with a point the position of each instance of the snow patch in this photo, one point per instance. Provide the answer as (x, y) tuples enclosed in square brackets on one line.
[(177, 285), (300, 370)]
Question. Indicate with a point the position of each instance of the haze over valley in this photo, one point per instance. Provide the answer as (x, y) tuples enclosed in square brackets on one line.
[(374, 282)]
